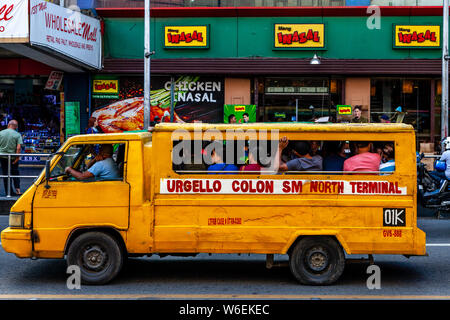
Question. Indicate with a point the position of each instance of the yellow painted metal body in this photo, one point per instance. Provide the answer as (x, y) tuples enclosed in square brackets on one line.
[(150, 221)]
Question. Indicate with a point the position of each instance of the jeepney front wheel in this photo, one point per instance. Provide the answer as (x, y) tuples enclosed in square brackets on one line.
[(317, 261), (98, 255)]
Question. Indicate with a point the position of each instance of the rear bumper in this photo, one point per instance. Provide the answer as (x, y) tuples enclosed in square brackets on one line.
[(420, 243), (17, 241)]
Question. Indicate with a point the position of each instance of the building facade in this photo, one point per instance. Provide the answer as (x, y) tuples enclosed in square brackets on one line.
[(262, 57)]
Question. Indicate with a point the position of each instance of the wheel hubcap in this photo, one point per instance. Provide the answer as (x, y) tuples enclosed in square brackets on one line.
[(94, 257), (317, 259)]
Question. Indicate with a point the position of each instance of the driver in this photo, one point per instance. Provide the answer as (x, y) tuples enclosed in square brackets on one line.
[(102, 167)]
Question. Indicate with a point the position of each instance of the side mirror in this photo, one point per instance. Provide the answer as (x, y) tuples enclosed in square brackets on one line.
[(47, 174)]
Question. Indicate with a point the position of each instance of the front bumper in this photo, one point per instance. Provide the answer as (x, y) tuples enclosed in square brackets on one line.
[(17, 241)]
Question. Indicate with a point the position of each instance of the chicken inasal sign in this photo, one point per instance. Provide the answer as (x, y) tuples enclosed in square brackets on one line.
[(417, 36), (183, 37), (299, 36)]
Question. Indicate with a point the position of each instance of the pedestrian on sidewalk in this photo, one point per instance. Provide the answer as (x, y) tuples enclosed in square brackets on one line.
[(10, 142)]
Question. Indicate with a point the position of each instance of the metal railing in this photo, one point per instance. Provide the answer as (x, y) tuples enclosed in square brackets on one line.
[(10, 157)]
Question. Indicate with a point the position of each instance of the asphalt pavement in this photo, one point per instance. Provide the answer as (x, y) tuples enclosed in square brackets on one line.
[(232, 276)]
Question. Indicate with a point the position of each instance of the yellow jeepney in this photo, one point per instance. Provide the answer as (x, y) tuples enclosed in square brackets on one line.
[(161, 205)]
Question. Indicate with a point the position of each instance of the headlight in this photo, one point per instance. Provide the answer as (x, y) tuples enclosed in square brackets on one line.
[(16, 220)]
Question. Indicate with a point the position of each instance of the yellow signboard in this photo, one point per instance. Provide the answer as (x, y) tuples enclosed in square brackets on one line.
[(105, 88), (186, 37), (417, 36), (344, 109), (299, 36)]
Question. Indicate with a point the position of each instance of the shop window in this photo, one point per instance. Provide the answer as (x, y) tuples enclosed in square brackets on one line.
[(301, 99), (412, 95)]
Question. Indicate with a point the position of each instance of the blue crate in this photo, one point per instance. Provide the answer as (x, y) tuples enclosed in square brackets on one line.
[(357, 2), (86, 4)]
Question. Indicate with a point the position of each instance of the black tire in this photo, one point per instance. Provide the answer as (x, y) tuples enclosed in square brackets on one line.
[(317, 261), (98, 255)]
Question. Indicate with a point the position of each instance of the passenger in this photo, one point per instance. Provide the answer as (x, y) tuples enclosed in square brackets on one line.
[(388, 159), (253, 164), (364, 160), (219, 165), (315, 148), (304, 162), (334, 161), (102, 167)]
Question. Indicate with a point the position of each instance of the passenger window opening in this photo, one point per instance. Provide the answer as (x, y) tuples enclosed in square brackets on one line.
[(293, 157)]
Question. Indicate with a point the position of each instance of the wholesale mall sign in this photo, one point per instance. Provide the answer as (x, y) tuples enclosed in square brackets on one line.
[(13, 20), (66, 31)]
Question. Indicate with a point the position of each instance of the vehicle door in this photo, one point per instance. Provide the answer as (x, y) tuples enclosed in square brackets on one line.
[(63, 203)]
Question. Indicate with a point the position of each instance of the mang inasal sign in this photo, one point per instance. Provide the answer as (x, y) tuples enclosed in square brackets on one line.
[(299, 36), (105, 88), (417, 36), (183, 37)]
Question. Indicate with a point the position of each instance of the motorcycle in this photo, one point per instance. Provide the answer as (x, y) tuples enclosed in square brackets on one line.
[(431, 192)]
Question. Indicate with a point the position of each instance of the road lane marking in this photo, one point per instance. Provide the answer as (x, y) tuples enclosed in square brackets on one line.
[(438, 244)]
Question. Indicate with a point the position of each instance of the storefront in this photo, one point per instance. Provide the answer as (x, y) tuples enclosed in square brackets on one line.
[(36, 109), (46, 52), (264, 58)]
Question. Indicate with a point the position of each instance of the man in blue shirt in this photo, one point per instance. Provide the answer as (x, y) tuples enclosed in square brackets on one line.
[(219, 165), (102, 167)]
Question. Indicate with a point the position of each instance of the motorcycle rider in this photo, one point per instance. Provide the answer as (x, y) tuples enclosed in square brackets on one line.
[(445, 159)]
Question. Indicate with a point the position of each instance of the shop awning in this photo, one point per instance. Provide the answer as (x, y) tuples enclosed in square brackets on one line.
[(277, 66)]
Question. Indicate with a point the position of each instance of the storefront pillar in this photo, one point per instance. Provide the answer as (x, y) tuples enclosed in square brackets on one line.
[(432, 110), (357, 92), (76, 94)]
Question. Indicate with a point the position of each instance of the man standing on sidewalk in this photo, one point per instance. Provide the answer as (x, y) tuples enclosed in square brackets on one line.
[(10, 142)]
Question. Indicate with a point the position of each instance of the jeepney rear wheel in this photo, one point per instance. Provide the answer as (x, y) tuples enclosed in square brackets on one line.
[(98, 256), (317, 261)]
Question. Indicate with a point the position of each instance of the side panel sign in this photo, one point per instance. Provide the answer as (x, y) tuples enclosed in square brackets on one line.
[(394, 217)]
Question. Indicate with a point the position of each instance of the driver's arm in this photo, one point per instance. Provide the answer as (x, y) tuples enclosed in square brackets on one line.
[(77, 174)]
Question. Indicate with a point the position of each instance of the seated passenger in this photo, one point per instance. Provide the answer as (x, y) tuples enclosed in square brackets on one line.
[(388, 158), (253, 163), (315, 148), (304, 162), (102, 167), (334, 161), (219, 165), (364, 160)]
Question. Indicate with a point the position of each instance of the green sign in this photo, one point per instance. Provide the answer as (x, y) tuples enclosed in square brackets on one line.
[(280, 115), (72, 118), (241, 113)]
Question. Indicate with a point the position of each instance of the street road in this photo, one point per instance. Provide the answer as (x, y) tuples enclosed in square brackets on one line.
[(232, 276)]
